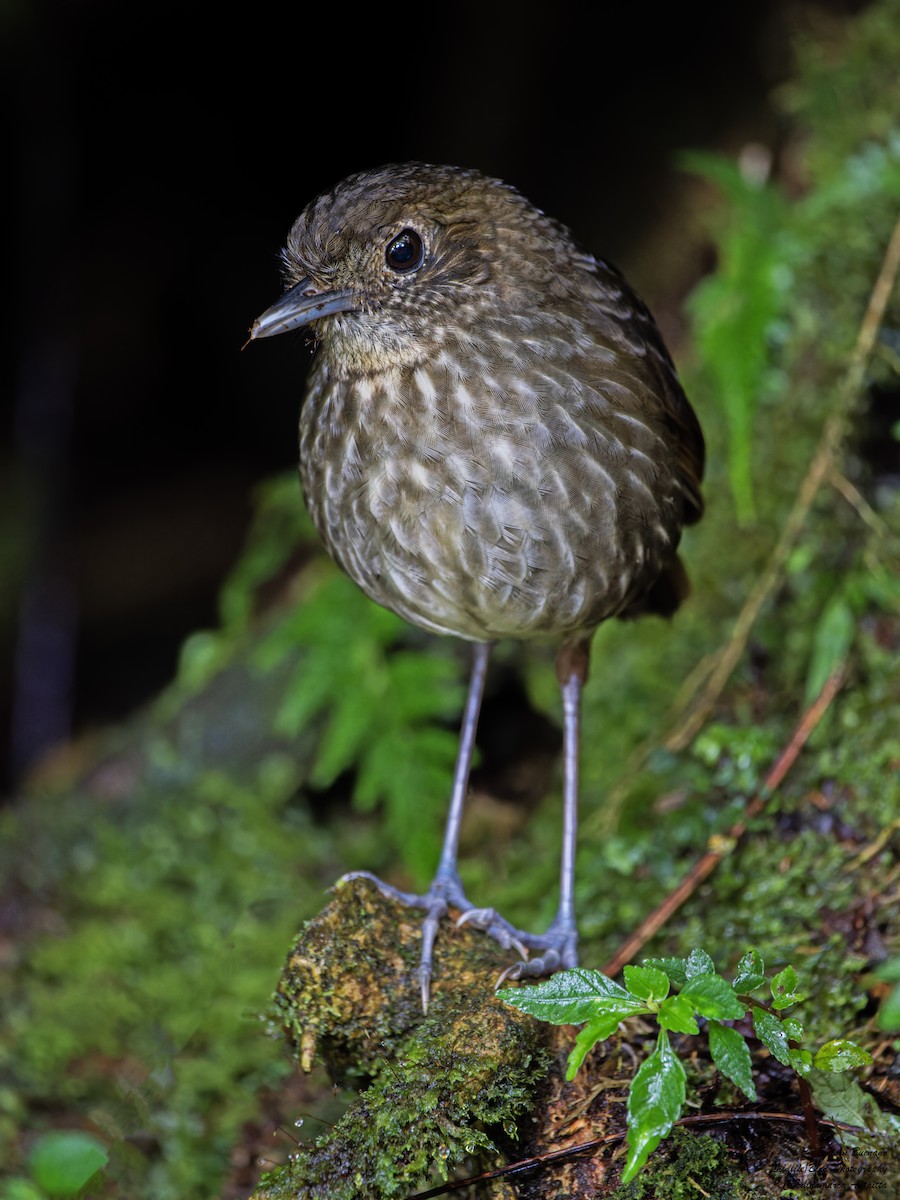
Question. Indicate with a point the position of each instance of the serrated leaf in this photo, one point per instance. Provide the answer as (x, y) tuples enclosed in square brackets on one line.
[(731, 1054), (841, 1055), (784, 989), (648, 983), (784, 981), (840, 1098), (597, 1030), (793, 1028), (677, 1015), (801, 1060), (751, 972), (713, 996), (655, 1101), (699, 963), (770, 1031), (571, 997), (675, 968)]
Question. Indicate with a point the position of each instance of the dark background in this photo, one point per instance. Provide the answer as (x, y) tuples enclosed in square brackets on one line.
[(159, 157)]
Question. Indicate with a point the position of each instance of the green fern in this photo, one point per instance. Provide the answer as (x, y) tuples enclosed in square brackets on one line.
[(388, 714), (737, 309)]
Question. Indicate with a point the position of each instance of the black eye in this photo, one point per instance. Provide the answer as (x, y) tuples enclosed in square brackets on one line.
[(405, 252)]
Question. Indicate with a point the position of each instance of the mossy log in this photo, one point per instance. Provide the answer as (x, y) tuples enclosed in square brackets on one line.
[(466, 1086)]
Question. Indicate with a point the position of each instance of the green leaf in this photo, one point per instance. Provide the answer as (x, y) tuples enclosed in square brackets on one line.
[(713, 996), (840, 1098), (731, 1054), (62, 1162), (597, 1030), (784, 989), (413, 786), (675, 968), (889, 971), (751, 972), (648, 983), (841, 1055), (570, 997), (699, 963), (801, 1060), (793, 1028), (832, 640), (345, 735), (677, 1014), (423, 686), (889, 1013), (18, 1188), (770, 1031), (655, 1101)]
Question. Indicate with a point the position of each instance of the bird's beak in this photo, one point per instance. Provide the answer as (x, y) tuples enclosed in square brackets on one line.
[(298, 307)]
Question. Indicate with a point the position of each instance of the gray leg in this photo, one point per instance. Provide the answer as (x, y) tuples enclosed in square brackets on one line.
[(558, 946), (560, 943), (446, 888)]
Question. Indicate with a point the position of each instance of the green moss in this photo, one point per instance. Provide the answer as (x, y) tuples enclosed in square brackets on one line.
[(160, 883), (435, 1089), (693, 1165)]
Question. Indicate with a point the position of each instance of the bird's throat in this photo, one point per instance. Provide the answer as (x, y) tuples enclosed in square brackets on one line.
[(361, 344)]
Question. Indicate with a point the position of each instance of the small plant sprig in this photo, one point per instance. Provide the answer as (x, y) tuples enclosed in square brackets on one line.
[(657, 1094)]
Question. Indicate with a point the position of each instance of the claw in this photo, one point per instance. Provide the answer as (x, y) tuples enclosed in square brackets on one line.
[(481, 916), (504, 975), (496, 927), (409, 899), (556, 947), (550, 961)]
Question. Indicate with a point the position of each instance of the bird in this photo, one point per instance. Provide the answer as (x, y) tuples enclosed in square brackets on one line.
[(494, 443)]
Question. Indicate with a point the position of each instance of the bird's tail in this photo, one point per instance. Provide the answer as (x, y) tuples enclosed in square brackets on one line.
[(664, 597)]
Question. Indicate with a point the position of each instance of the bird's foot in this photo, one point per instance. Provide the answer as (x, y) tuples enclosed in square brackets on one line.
[(558, 947), (446, 892)]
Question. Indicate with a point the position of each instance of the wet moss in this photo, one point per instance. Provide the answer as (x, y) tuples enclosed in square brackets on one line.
[(432, 1091)]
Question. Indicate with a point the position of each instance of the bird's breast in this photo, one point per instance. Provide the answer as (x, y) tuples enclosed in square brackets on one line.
[(486, 502)]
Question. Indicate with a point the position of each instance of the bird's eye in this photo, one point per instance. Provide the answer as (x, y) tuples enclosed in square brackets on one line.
[(405, 252)]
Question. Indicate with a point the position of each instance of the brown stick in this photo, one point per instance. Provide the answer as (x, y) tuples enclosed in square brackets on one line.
[(541, 1160), (717, 672), (705, 866)]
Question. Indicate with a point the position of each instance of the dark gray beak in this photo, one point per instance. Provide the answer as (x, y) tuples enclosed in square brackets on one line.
[(298, 307)]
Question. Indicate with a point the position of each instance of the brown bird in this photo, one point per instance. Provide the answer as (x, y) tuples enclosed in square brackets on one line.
[(494, 443)]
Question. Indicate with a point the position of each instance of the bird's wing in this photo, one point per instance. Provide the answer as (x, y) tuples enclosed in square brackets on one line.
[(663, 384)]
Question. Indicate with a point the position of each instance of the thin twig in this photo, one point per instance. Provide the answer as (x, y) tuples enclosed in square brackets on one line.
[(875, 847), (857, 501), (724, 845), (708, 680), (543, 1160), (819, 470)]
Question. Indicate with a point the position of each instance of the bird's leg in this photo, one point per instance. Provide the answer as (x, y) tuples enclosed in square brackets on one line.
[(446, 888), (559, 945)]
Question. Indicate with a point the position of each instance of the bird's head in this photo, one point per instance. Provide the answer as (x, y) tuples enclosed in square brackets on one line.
[(390, 261)]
